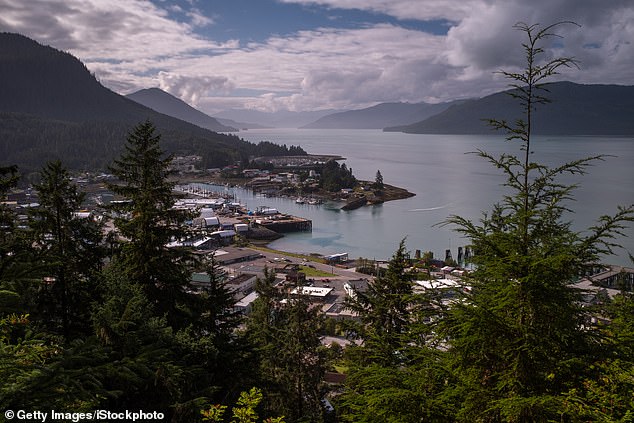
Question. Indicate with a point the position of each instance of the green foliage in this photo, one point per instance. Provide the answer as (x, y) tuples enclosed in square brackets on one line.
[(69, 248), (243, 412), (385, 309), (520, 339), (285, 332), (378, 181), (605, 395), (149, 223), (395, 375), (335, 177)]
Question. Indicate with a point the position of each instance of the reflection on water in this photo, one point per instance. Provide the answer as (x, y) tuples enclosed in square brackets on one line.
[(446, 182)]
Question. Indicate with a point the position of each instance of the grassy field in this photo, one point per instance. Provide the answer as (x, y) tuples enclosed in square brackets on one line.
[(310, 272), (284, 253)]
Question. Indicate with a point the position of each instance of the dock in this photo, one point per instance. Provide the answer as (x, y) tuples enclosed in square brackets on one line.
[(285, 223)]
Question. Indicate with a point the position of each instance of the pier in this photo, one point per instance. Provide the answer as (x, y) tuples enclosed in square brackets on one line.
[(285, 223)]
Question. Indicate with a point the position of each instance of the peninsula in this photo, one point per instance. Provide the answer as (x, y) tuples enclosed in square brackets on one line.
[(307, 178)]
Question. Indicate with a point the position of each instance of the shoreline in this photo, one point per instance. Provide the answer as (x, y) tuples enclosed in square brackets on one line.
[(388, 193)]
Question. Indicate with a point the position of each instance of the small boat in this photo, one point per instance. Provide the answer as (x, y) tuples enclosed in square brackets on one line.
[(314, 201), (300, 200)]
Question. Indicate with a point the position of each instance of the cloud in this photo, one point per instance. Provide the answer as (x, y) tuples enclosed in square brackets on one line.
[(404, 9), (138, 44), (198, 19), (192, 88)]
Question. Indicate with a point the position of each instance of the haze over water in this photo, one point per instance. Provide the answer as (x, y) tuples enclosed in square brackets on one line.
[(446, 181)]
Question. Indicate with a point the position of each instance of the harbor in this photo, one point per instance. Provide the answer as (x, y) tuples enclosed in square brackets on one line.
[(222, 212)]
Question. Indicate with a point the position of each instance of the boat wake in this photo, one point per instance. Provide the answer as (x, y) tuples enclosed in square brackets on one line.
[(430, 208)]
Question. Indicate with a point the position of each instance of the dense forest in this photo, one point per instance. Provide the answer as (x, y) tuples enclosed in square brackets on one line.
[(52, 107), (95, 320)]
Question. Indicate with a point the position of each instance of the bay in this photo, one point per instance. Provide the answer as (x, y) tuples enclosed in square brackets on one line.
[(446, 180)]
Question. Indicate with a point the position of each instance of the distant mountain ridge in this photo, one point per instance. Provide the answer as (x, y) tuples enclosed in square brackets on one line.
[(279, 119), (574, 109), (52, 107), (379, 116), (163, 102), (243, 126)]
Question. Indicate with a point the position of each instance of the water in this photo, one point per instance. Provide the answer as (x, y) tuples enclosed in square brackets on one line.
[(446, 181)]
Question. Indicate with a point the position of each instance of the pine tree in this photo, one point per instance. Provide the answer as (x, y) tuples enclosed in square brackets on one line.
[(148, 222), (217, 301), (378, 180), (217, 320), (520, 339), (12, 249), (385, 309), (69, 247), (284, 331), (395, 374)]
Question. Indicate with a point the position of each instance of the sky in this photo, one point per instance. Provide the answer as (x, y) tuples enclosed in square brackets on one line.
[(303, 55)]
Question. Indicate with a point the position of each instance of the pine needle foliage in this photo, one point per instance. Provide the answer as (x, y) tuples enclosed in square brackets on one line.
[(520, 338), (148, 223)]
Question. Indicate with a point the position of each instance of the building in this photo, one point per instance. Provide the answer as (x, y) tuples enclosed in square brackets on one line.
[(315, 293), (230, 255), (242, 284), (245, 305), (337, 258)]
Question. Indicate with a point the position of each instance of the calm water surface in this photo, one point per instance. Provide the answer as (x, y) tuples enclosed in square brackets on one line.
[(446, 181)]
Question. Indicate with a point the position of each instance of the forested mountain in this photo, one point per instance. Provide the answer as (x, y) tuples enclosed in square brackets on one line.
[(52, 107), (163, 102), (379, 116), (574, 110)]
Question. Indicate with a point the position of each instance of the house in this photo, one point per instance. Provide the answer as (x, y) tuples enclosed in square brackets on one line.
[(315, 293), (230, 255), (336, 258), (246, 304), (242, 285)]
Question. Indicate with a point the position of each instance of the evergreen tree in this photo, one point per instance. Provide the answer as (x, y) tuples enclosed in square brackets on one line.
[(217, 301), (520, 339), (218, 321), (378, 180), (285, 334), (12, 247), (143, 366), (395, 374), (148, 222), (69, 247), (385, 309)]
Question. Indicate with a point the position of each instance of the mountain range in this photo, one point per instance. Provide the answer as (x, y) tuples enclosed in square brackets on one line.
[(52, 107), (279, 119), (163, 102), (573, 109), (379, 116)]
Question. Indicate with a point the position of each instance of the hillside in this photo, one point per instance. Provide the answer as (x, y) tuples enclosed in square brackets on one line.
[(379, 116), (574, 110), (163, 102), (52, 107)]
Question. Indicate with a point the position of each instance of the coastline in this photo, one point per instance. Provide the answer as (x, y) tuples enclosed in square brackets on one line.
[(388, 193)]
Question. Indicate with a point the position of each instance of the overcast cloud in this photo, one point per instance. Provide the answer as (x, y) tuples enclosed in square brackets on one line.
[(134, 44)]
